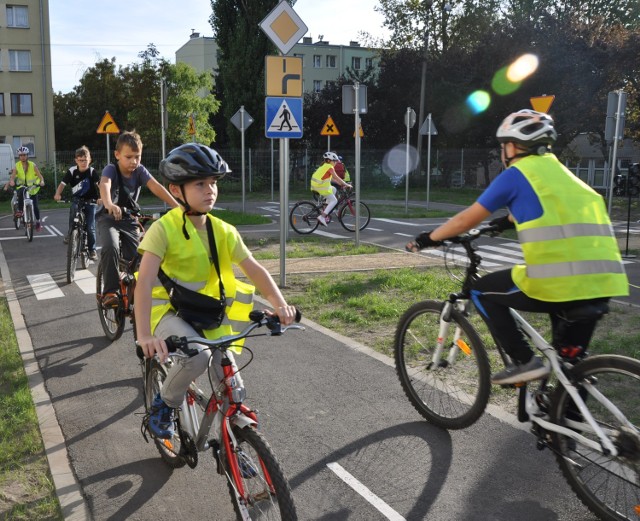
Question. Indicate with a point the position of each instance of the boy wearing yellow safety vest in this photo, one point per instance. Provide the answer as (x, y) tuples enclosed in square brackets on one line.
[(180, 246), (26, 173), (321, 182), (570, 252)]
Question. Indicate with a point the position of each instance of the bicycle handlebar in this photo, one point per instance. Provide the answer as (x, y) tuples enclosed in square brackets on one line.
[(258, 319), (473, 234)]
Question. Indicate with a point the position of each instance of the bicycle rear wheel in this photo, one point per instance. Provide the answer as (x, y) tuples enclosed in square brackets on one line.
[(347, 215), (304, 217), (73, 250), (29, 222), (111, 318), (454, 394), (267, 492), (609, 486)]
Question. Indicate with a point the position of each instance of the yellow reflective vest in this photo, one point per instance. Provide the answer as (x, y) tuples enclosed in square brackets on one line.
[(321, 179), (570, 251), (187, 263), (28, 178)]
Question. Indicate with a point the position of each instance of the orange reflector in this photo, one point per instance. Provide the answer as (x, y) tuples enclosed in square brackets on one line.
[(637, 509), (464, 347), (168, 444)]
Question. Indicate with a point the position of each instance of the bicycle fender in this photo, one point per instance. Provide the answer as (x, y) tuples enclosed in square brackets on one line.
[(243, 421)]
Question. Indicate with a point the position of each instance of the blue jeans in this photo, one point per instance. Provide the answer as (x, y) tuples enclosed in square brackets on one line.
[(90, 218)]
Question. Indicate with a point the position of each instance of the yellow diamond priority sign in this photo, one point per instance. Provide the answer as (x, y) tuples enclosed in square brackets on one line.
[(284, 27)]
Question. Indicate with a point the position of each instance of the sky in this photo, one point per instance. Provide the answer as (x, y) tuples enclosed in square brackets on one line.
[(83, 33)]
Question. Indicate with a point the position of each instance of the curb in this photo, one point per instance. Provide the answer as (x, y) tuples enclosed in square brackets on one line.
[(72, 502)]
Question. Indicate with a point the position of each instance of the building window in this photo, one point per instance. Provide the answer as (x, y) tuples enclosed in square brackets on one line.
[(301, 56), (316, 61), (21, 105), (17, 16), (317, 85), (331, 61), (368, 63), (25, 141), (19, 60), (1, 103), (355, 63)]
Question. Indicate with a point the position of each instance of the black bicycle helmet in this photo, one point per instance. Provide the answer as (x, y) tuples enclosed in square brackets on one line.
[(192, 161)]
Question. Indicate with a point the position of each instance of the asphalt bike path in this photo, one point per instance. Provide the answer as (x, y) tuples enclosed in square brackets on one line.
[(333, 410)]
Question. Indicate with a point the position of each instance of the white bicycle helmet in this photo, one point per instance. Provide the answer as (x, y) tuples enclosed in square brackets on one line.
[(527, 127), (331, 156), (23, 150)]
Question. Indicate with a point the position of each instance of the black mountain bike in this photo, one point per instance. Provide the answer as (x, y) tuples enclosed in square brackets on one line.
[(77, 248), (304, 215)]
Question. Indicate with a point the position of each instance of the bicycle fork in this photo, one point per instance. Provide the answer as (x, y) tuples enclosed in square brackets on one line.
[(457, 343)]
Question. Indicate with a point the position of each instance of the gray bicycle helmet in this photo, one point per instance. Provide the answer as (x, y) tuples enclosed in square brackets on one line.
[(528, 128), (192, 161)]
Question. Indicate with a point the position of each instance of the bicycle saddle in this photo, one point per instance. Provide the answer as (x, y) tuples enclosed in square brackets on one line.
[(593, 311)]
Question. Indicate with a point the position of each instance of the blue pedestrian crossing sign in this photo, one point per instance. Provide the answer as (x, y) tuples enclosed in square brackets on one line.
[(283, 117)]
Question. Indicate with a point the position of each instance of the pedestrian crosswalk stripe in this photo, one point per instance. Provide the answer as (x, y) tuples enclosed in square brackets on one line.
[(498, 249), (44, 287), (86, 281), (459, 258)]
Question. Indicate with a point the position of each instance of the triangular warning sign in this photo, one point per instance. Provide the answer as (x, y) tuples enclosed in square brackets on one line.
[(108, 125), (542, 103), (330, 128), (192, 126), (284, 120), (361, 132)]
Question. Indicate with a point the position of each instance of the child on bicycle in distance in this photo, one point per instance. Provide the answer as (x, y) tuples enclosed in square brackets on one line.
[(179, 244), (571, 255), (84, 180), (120, 187), (321, 182), (27, 173)]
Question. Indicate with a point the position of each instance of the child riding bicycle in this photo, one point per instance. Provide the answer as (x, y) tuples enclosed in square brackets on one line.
[(27, 174), (321, 182), (193, 252)]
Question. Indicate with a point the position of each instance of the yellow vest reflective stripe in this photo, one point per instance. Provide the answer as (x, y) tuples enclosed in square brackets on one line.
[(322, 186), (187, 263), (30, 176), (570, 252)]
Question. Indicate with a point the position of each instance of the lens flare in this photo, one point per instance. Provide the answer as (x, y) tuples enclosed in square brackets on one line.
[(522, 68), (478, 101), (502, 85)]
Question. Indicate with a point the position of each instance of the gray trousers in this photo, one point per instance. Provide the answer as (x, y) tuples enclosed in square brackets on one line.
[(186, 370), (114, 235)]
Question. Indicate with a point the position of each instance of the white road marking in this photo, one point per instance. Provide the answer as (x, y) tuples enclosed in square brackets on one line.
[(404, 234), (327, 234), (86, 281), (369, 229), (502, 250), (54, 230), (391, 221), (361, 489), (44, 287)]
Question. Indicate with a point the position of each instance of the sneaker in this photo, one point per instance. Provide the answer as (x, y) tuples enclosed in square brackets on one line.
[(38, 226), (93, 255), (534, 369), (18, 214), (161, 419), (322, 220), (247, 468), (110, 300)]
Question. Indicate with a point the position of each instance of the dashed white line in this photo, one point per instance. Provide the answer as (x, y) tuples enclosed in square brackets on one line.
[(395, 222), (86, 281), (361, 489), (44, 287)]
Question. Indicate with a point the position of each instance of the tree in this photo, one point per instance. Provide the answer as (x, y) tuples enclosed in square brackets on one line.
[(242, 48)]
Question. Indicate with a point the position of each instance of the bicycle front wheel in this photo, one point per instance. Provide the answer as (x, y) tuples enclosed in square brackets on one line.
[(347, 215), (304, 217), (16, 220), (111, 318), (29, 222), (267, 495), (73, 250), (453, 392), (609, 486)]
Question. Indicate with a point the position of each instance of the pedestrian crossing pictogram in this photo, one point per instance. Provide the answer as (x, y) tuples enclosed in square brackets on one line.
[(283, 117)]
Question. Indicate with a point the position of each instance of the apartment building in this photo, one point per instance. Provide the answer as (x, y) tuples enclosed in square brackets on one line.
[(26, 92), (322, 62)]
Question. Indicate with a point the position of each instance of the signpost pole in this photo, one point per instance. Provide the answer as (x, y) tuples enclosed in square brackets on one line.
[(108, 151), (284, 204), (357, 150), (406, 162), (242, 152), (428, 159)]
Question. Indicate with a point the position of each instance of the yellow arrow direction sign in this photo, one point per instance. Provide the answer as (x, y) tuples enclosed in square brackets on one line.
[(284, 76), (542, 103), (108, 125), (330, 128)]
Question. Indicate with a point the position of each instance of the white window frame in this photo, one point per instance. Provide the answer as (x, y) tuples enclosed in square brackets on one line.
[(331, 61), (2, 111), (355, 60), (21, 103), (317, 85), (19, 60), (317, 61), (18, 16), (368, 62)]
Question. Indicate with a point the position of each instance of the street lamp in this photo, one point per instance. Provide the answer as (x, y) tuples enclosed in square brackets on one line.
[(423, 82)]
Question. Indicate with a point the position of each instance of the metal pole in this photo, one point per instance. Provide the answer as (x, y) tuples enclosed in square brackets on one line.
[(406, 164), (162, 112), (428, 159), (357, 187), (614, 155), (284, 169), (272, 169), (108, 151), (242, 152)]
